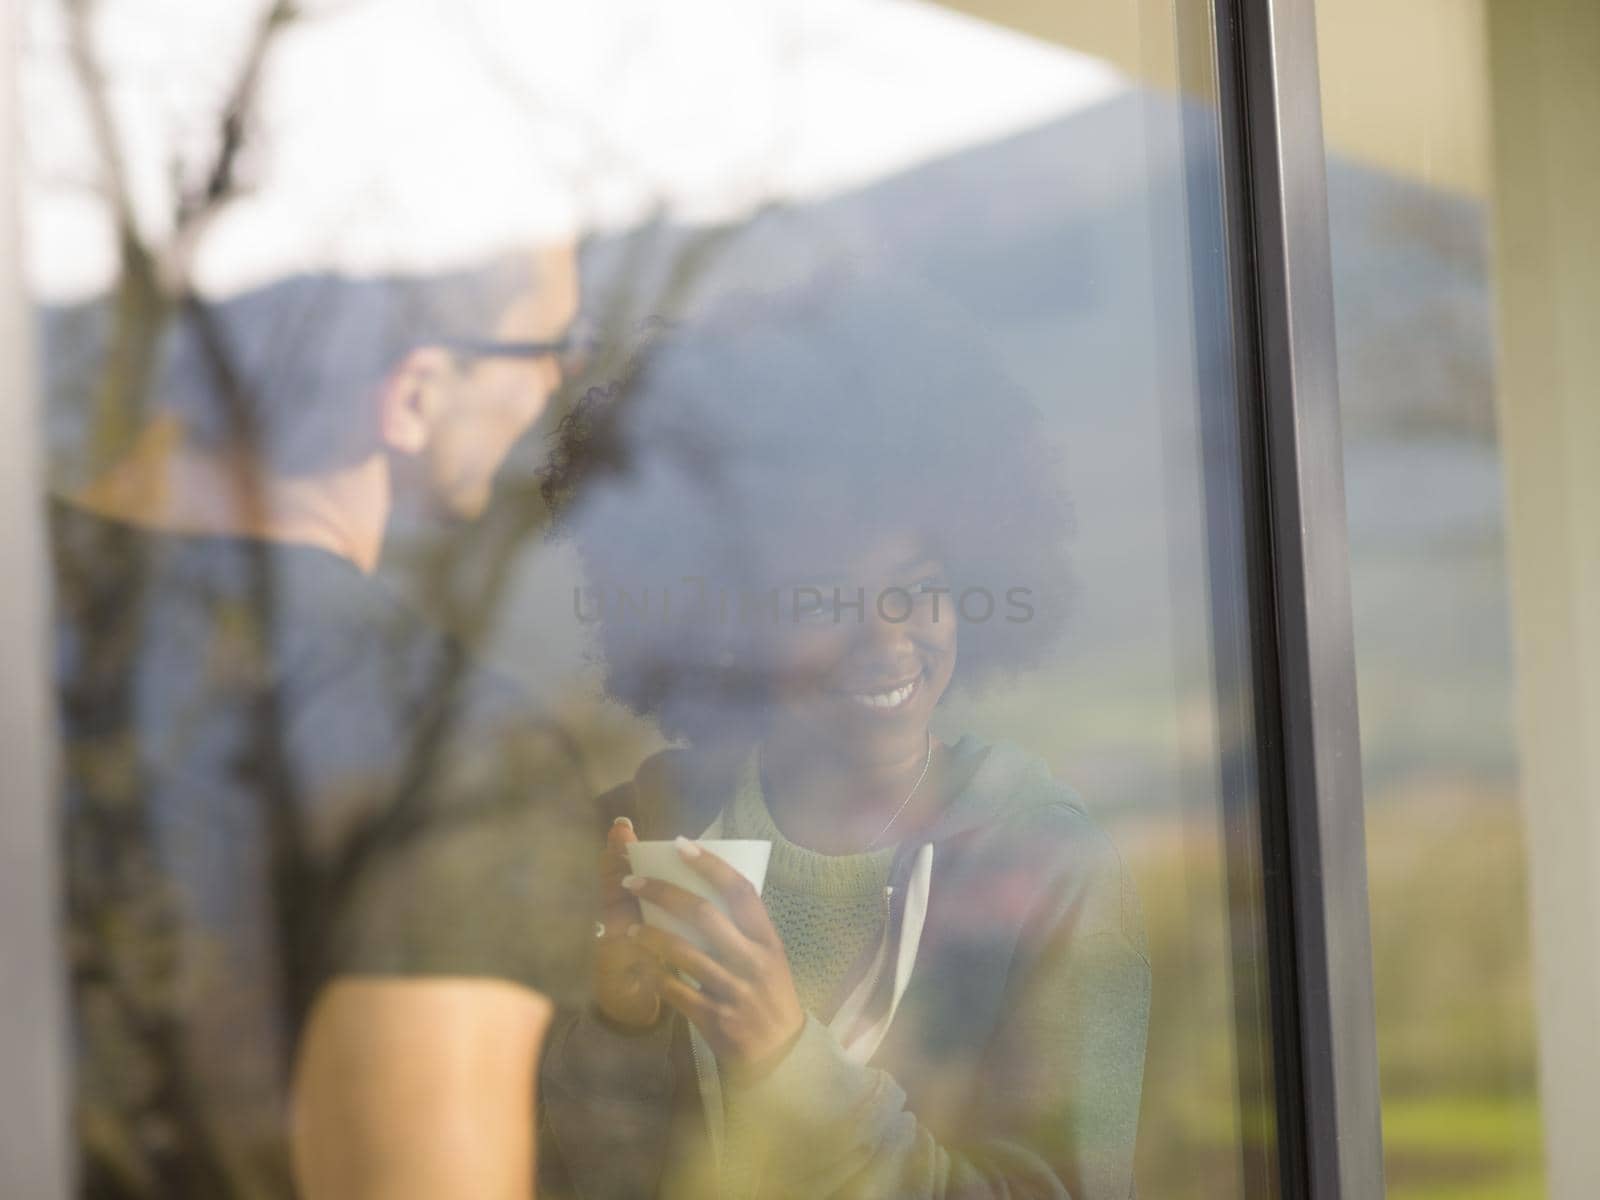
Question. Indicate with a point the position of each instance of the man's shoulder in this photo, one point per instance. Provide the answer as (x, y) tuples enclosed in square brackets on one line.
[(229, 638)]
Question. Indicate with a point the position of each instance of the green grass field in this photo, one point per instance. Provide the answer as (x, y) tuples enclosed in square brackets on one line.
[(1454, 1004)]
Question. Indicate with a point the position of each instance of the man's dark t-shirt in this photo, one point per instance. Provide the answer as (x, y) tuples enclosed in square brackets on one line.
[(276, 774)]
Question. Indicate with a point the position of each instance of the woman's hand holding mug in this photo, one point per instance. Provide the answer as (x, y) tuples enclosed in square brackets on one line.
[(745, 1004), (627, 974)]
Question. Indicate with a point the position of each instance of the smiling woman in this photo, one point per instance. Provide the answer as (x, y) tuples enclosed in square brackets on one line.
[(853, 490), (784, 472)]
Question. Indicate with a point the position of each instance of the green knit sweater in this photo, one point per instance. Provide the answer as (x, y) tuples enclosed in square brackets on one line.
[(829, 909)]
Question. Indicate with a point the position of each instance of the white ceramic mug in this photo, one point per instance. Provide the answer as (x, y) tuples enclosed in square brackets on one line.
[(661, 860)]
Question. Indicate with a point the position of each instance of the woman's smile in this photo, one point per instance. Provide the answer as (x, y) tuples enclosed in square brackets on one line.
[(884, 699)]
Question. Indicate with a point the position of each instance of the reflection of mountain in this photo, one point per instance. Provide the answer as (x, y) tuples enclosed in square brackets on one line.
[(1062, 245), (1416, 331), (1051, 241), (1044, 238)]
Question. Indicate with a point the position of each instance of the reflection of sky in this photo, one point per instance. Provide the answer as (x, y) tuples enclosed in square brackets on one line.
[(413, 133), (1018, 181)]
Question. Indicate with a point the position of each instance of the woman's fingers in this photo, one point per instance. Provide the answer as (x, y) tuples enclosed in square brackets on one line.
[(743, 901), (697, 1006), (613, 867), (620, 833), (618, 907), (726, 940), (627, 977), (677, 953)]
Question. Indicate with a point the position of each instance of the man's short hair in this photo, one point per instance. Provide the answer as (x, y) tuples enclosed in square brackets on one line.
[(289, 371)]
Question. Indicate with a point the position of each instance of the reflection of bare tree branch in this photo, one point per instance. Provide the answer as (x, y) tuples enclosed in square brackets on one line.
[(196, 212), (152, 287), (474, 574), (102, 125), (153, 281), (523, 513), (293, 885), (139, 307)]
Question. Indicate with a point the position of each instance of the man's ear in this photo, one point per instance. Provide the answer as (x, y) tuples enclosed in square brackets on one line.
[(413, 398)]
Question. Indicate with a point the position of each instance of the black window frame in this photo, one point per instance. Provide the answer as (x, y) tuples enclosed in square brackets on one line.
[(1313, 840)]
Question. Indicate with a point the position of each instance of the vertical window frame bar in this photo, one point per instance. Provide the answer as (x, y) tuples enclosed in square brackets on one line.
[(1313, 828)]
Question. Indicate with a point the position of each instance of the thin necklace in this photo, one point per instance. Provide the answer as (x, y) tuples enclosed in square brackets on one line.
[(926, 763)]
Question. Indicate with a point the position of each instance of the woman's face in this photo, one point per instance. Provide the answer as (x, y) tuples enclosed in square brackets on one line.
[(865, 674)]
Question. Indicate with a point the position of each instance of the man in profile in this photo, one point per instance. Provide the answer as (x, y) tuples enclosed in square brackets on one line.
[(309, 843)]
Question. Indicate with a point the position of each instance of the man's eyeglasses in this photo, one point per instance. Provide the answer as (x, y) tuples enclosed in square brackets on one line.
[(572, 351)]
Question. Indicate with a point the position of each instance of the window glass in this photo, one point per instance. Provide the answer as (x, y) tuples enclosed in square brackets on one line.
[(805, 429), (1446, 235)]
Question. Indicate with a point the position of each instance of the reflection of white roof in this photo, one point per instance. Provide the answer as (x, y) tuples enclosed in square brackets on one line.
[(412, 134)]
